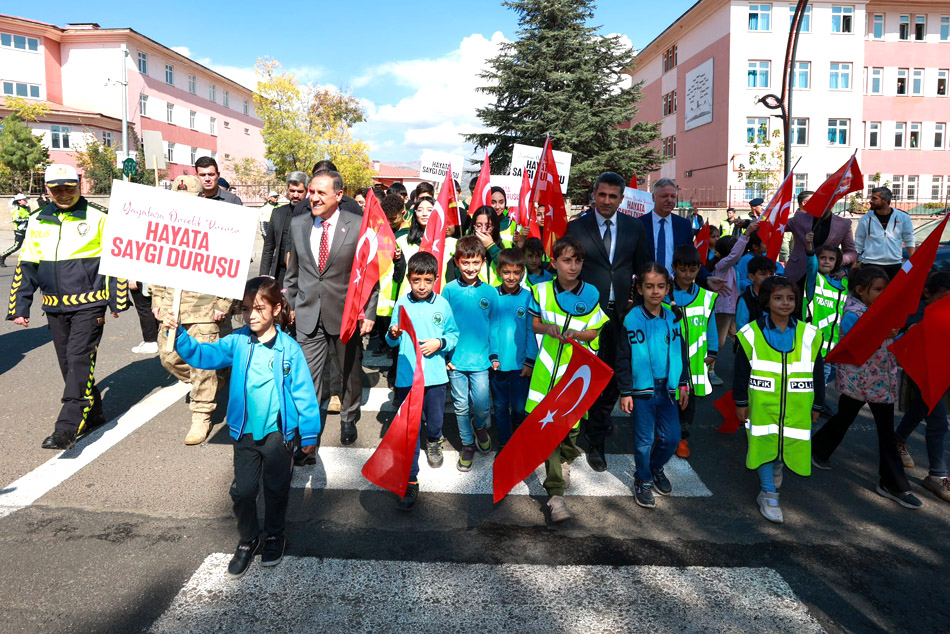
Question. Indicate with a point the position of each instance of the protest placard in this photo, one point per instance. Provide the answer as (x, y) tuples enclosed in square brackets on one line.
[(636, 202), (171, 239), (527, 157), (434, 165), (511, 185)]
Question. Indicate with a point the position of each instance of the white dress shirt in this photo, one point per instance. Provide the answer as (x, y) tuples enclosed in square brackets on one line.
[(602, 228), (317, 234)]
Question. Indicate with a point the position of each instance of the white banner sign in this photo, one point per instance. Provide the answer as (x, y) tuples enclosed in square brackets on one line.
[(167, 238), (512, 187), (699, 95), (434, 165), (528, 156), (636, 202)]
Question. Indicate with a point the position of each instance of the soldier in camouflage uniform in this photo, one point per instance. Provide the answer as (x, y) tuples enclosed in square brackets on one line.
[(206, 318)]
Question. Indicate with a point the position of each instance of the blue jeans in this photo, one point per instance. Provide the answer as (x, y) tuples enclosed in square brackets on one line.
[(767, 477), (829, 372), (433, 410), (654, 419), (472, 401), (935, 434), (509, 391)]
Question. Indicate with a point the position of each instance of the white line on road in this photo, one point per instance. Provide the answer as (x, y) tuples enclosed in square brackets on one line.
[(339, 468), (65, 464), (307, 595)]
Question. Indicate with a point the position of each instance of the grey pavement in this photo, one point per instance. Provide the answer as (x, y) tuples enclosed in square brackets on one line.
[(136, 539)]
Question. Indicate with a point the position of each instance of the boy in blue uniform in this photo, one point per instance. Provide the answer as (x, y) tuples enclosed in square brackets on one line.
[(511, 343), (437, 333), (748, 307), (473, 301), (534, 262)]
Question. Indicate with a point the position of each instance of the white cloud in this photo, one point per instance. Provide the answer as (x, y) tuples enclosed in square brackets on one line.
[(445, 98), (246, 75)]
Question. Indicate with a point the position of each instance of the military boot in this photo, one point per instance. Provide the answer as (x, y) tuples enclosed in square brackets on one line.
[(200, 428)]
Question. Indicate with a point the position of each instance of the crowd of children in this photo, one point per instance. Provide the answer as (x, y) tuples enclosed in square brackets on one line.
[(495, 340)]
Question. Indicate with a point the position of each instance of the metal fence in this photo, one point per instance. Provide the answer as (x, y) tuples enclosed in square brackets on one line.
[(856, 204)]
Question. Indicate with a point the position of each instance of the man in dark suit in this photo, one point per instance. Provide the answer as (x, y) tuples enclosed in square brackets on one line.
[(616, 247), (322, 253), (276, 238)]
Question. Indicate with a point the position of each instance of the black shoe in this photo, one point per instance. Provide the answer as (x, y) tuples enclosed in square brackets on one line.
[(643, 492), (597, 459), (302, 459), (347, 433), (905, 498), (60, 440), (661, 483), (243, 557), (92, 423), (3, 263), (409, 500), (273, 550)]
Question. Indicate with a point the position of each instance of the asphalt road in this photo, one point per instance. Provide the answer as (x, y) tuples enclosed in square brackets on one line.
[(135, 537)]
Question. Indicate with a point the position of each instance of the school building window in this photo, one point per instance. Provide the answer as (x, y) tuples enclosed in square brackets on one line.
[(170, 113), (920, 27), (760, 17), (107, 138), (877, 26), (213, 125), (143, 63), (940, 130), (912, 187), (801, 183), (759, 73), (757, 130), (171, 153), (670, 58), (897, 187), (900, 131), (169, 74), (192, 84), (903, 28), (915, 136), (194, 155), (801, 78), (874, 135), (59, 138), (143, 105), (20, 89), (669, 103), (842, 19), (806, 18), (227, 98), (945, 28), (876, 81), (942, 75), (838, 131), (20, 42), (840, 76), (799, 131), (902, 81), (245, 106), (936, 188), (191, 119), (211, 92)]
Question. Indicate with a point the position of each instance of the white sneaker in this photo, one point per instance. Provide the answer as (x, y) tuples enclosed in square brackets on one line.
[(769, 508), (148, 347), (138, 349)]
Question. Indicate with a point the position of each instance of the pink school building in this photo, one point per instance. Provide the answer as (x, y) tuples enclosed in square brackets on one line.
[(870, 76), (76, 71)]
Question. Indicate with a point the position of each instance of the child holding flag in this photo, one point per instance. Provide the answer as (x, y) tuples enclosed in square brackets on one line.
[(561, 309), (779, 391), (437, 333), (652, 368), (699, 332), (826, 289), (874, 383), (272, 405)]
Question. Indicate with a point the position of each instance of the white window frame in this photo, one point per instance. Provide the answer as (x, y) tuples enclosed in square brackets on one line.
[(800, 183), (920, 35), (796, 127), (192, 84), (897, 186), (801, 69), (760, 131), (943, 75), (169, 74), (900, 135), (917, 81), (143, 63), (876, 74), (903, 28), (212, 93), (10, 40), (194, 155), (246, 107), (838, 128), (59, 137), (874, 130), (192, 115), (143, 105), (940, 135), (843, 15), (169, 113), (226, 100), (760, 10), (842, 73), (107, 138), (20, 89), (170, 154), (874, 22), (755, 69), (903, 73), (213, 126), (936, 187), (913, 181), (916, 132), (945, 28)]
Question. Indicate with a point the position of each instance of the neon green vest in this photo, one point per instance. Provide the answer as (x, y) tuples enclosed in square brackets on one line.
[(507, 234), (695, 327), (826, 309), (553, 355), (781, 395)]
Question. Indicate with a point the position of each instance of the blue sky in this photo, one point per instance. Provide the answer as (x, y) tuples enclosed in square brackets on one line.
[(412, 64)]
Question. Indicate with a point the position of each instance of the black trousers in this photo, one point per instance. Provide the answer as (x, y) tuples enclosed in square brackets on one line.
[(143, 306), (316, 350), (598, 423), (271, 458), (827, 439), (18, 236), (76, 337)]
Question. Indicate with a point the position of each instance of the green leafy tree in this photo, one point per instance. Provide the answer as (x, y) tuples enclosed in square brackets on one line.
[(20, 152), (98, 166), (766, 162), (561, 77), (306, 123)]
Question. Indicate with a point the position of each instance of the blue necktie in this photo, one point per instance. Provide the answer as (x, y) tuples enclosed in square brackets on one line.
[(661, 243)]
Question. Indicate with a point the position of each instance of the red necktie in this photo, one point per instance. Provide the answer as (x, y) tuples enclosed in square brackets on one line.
[(324, 245)]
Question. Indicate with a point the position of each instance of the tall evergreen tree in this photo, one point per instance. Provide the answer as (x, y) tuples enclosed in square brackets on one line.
[(561, 77)]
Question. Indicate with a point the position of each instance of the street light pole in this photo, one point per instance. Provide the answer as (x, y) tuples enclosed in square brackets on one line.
[(125, 106), (784, 103)]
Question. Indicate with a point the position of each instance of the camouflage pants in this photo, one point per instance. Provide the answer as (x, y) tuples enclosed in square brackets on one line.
[(204, 383)]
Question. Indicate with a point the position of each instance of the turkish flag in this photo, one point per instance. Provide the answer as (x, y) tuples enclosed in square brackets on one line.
[(775, 218), (923, 352), (633, 182), (391, 463), (726, 406), (527, 217), (543, 430), (702, 244), (482, 194), (374, 257), (892, 307), (444, 214), (547, 191), (846, 180)]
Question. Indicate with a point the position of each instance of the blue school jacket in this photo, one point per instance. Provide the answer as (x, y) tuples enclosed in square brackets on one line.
[(636, 351)]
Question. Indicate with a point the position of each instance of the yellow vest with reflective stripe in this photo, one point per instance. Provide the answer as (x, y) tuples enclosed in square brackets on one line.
[(695, 324), (826, 309), (554, 355), (781, 395)]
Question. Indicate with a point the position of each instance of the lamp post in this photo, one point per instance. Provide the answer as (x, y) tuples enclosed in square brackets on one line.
[(783, 103)]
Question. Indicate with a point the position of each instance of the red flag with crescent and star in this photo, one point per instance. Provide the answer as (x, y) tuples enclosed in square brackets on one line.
[(444, 214), (481, 197), (390, 465), (374, 257), (846, 180), (892, 307), (546, 426), (923, 352), (702, 244), (547, 191), (527, 217), (775, 217)]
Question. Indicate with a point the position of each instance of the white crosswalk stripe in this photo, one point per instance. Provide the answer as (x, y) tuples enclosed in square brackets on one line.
[(309, 594), (339, 468)]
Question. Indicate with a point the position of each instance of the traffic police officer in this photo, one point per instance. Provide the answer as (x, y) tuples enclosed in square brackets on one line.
[(61, 258), (20, 211)]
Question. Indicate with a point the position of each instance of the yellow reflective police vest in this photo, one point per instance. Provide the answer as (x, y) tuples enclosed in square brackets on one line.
[(695, 327)]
